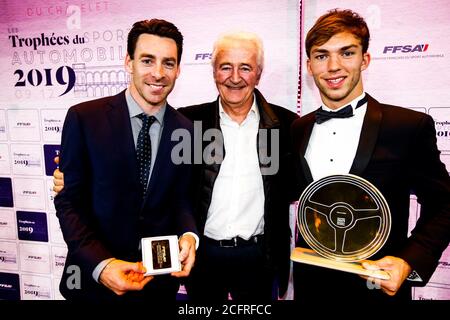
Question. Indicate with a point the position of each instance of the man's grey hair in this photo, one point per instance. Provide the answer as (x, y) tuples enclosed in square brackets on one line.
[(243, 36)]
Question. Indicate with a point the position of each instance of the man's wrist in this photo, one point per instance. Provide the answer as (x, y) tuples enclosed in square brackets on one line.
[(100, 267)]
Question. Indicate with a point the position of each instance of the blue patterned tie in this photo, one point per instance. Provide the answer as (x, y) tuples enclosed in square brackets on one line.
[(144, 150)]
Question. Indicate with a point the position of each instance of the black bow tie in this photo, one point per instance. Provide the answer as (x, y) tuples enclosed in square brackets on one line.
[(347, 112)]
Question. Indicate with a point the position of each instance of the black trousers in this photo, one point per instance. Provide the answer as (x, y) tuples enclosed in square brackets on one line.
[(161, 288), (240, 272)]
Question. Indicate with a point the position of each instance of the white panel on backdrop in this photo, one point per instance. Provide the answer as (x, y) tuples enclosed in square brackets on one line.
[(440, 276), (50, 195), (55, 229), (446, 159), (5, 164), (3, 135), (26, 159), (34, 257), (8, 256), (414, 213), (7, 224), (431, 292), (441, 117), (56, 294), (36, 287), (29, 193), (24, 124), (58, 260), (52, 121)]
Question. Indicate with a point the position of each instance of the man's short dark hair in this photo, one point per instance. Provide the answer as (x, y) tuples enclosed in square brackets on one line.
[(157, 27), (337, 21)]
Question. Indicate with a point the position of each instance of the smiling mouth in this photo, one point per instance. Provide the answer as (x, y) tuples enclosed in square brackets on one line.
[(335, 82), (235, 88), (155, 86)]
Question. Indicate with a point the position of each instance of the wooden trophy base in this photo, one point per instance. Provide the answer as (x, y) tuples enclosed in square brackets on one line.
[(309, 256)]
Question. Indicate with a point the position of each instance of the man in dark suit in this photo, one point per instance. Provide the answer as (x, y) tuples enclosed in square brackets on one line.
[(240, 204), (120, 182), (391, 147)]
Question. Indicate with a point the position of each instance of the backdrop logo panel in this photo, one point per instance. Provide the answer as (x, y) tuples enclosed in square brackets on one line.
[(3, 136), (5, 165), (36, 287), (8, 256), (34, 258), (9, 286), (32, 226), (50, 152), (6, 197), (7, 225), (29, 193), (58, 260)]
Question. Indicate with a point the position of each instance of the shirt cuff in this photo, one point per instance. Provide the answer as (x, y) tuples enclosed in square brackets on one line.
[(99, 268), (197, 240)]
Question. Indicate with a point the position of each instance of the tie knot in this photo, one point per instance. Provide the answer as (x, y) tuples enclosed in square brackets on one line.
[(346, 112), (147, 121), (323, 115)]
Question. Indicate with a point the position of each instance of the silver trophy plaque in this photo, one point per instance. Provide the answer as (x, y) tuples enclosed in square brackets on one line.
[(344, 219)]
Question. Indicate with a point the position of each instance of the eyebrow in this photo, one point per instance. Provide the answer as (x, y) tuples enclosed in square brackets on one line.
[(151, 56), (320, 50), (170, 59), (239, 65), (348, 47), (146, 55)]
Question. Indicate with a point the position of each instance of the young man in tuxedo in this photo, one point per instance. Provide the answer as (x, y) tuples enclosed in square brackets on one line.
[(393, 148)]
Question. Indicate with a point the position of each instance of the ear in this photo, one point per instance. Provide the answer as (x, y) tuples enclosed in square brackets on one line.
[(366, 61), (258, 75), (308, 67), (129, 64)]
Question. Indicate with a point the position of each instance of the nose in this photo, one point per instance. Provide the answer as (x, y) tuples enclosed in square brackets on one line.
[(158, 71), (333, 63), (235, 76)]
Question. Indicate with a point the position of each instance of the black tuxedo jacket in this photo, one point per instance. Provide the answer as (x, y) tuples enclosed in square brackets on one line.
[(100, 209), (397, 152), (276, 208)]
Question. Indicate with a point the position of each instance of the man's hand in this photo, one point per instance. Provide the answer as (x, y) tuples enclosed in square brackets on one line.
[(397, 268), (122, 276), (187, 255), (58, 178)]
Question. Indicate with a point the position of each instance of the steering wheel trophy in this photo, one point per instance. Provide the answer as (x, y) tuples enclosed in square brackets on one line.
[(344, 219)]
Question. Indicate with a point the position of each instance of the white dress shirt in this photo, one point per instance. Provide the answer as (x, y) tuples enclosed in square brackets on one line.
[(333, 144), (237, 204)]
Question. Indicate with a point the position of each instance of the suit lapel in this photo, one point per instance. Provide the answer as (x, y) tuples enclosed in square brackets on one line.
[(163, 160), (368, 137), (122, 134)]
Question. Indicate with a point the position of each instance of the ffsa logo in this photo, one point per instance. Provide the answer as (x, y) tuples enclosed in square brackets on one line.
[(203, 56), (406, 49)]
